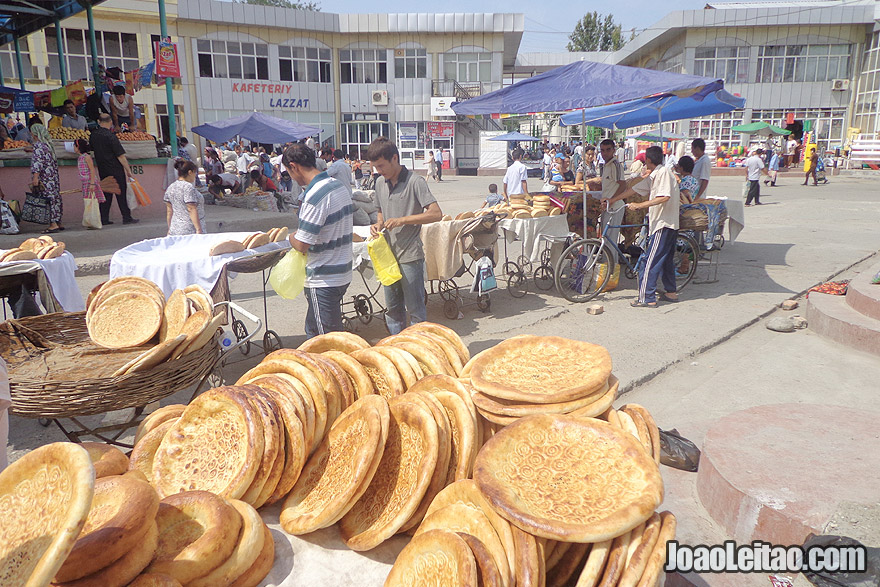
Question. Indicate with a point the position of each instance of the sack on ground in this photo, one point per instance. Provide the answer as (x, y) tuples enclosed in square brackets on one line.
[(9, 225), (91, 214), (384, 262), (289, 275)]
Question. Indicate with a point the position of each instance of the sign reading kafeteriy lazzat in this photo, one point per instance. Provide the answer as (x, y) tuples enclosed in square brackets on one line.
[(281, 94), (263, 96)]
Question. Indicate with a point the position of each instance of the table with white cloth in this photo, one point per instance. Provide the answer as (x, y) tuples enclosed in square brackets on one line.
[(736, 216), (529, 230), (174, 262), (56, 281)]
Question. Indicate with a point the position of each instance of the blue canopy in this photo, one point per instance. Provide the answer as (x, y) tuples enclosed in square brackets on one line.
[(584, 84), (256, 127), (513, 137), (655, 110), (656, 135)]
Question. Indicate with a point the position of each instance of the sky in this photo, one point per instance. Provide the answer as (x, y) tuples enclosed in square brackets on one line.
[(545, 30)]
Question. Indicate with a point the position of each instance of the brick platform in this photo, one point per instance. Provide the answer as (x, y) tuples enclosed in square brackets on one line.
[(778, 472)]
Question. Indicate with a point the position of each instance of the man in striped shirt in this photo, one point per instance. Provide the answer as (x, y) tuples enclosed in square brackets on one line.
[(324, 235)]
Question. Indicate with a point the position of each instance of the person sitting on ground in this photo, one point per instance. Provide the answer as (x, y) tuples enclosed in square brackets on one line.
[(224, 181), (184, 204), (688, 186), (494, 198), (256, 178)]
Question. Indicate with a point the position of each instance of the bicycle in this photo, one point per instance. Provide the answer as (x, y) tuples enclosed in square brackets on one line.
[(584, 267)]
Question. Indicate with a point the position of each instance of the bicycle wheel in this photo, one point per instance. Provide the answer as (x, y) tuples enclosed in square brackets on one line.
[(583, 270), (686, 257)]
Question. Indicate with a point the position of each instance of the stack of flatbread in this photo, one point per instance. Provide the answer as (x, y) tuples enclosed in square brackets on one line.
[(41, 247), (528, 375), (131, 311), (258, 239)]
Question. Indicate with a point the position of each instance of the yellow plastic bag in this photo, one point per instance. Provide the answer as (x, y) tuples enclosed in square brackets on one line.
[(613, 279), (289, 275), (384, 262)]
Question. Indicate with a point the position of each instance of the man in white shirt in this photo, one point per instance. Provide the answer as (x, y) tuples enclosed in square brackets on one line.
[(620, 154), (662, 207), (243, 159), (516, 180), (754, 169), (790, 150), (613, 179), (310, 143), (702, 167), (547, 162)]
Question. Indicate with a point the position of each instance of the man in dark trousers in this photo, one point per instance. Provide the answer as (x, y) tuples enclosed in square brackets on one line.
[(111, 162)]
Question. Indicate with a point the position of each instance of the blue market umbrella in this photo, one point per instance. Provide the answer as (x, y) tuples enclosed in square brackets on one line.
[(655, 135), (514, 137), (257, 127)]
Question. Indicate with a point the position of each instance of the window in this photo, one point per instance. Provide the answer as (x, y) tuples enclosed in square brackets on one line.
[(363, 66), (730, 64), (867, 107), (162, 121), (826, 124), (359, 130), (8, 62), (803, 63), (468, 67), (410, 63), (114, 50), (716, 128), (233, 59), (304, 64)]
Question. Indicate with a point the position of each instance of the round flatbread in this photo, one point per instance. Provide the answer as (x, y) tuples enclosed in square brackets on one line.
[(122, 511), (400, 481), (429, 362), (107, 460), (261, 567), (437, 383), (144, 452), (45, 498), (433, 343), (125, 284), (31, 244), (487, 570), (529, 565), (359, 377), (568, 478), (176, 312), (343, 381), (295, 449), (152, 357), (250, 545), (198, 532), (125, 320), (155, 579), (193, 329), (273, 445), (403, 362), (509, 370), (291, 388), (382, 371), (225, 248), (345, 342), (328, 382), (447, 333), (502, 407), (259, 240), (462, 436), (281, 234), (124, 570), (216, 446), (155, 418), (439, 558), (339, 472)]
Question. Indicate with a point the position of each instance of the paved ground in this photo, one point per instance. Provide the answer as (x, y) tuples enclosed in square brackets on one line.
[(690, 362)]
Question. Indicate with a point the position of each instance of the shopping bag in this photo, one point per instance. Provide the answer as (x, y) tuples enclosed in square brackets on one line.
[(143, 199), (131, 199), (484, 277), (36, 207), (9, 225), (91, 214), (384, 262), (289, 275)]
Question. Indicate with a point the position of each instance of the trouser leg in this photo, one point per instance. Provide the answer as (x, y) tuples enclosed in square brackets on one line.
[(754, 192), (325, 309), (395, 313), (653, 263), (414, 290), (667, 272)]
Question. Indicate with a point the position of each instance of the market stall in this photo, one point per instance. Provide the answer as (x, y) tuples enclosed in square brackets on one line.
[(54, 273)]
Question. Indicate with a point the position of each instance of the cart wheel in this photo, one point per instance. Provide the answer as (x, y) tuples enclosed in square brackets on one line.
[(484, 304), (240, 332), (363, 308), (348, 324), (516, 279), (450, 309), (271, 342), (630, 273), (546, 257), (447, 290), (544, 278), (524, 263)]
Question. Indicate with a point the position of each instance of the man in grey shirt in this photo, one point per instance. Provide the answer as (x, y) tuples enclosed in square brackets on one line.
[(405, 203), (340, 170)]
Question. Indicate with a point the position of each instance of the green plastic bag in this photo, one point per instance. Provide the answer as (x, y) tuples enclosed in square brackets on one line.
[(289, 275), (384, 262)]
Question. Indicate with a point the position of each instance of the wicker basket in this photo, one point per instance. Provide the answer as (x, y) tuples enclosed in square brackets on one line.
[(84, 397)]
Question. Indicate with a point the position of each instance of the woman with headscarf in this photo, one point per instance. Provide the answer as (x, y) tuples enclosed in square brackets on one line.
[(44, 168)]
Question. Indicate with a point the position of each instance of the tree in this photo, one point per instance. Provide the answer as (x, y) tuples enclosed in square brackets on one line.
[(284, 4), (595, 33)]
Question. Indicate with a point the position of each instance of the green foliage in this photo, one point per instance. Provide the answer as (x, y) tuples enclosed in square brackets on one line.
[(284, 4), (594, 32)]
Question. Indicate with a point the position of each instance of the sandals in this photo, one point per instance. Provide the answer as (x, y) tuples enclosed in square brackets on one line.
[(52, 230), (638, 304)]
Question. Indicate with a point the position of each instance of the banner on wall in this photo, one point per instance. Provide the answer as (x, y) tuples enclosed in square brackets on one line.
[(167, 62), (6, 102), (441, 129)]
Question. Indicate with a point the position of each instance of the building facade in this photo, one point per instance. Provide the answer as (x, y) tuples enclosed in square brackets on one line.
[(356, 77)]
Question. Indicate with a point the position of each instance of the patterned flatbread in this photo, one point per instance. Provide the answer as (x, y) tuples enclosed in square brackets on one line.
[(439, 558)]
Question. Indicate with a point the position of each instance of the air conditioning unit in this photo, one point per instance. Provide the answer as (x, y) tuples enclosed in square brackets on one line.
[(380, 98), (840, 84)]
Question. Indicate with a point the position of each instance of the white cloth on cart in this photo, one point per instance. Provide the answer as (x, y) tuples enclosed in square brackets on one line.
[(61, 273), (736, 216), (174, 262), (443, 248), (529, 230), (360, 255)]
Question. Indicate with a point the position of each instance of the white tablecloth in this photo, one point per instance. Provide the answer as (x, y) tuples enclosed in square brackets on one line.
[(61, 273), (528, 230), (736, 216), (174, 262)]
